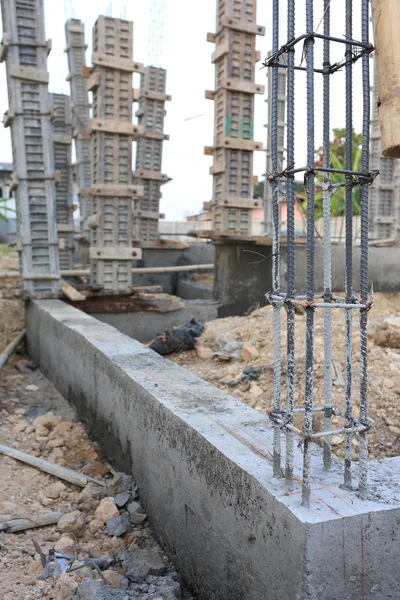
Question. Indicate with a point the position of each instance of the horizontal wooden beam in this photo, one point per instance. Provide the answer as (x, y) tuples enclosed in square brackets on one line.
[(238, 85), (234, 202), (115, 253), (154, 175), (29, 73), (151, 94), (120, 127), (116, 62), (110, 190), (242, 26)]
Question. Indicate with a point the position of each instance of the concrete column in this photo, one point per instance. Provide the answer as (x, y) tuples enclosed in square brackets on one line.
[(25, 49), (151, 97), (111, 252), (234, 58)]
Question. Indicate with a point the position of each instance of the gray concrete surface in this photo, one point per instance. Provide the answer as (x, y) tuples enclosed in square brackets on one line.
[(384, 268), (203, 464), (145, 326), (241, 278), (190, 290), (197, 254)]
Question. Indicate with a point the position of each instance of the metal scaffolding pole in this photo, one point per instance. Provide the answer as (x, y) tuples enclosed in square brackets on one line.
[(151, 97), (284, 57), (111, 253), (75, 49), (234, 57), (62, 140), (25, 50)]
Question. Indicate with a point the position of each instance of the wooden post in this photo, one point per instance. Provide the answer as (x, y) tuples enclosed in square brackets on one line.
[(24, 48), (386, 20), (151, 97)]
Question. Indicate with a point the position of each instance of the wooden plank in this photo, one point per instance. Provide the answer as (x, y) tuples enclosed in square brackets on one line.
[(71, 293), (154, 175), (147, 214), (115, 253), (29, 73), (110, 190), (208, 151), (120, 127), (62, 138), (93, 81), (240, 144), (64, 228), (117, 62), (211, 37), (209, 95), (15, 525), (154, 95), (220, 51), (242, 26), (238, 85), (232, 201), (151, 135)]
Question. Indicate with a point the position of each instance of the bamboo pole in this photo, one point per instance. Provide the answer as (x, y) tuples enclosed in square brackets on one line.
[(386, 20), (11, 348)]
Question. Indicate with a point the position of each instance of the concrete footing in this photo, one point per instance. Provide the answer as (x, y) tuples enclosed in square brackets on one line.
[(202, 461)]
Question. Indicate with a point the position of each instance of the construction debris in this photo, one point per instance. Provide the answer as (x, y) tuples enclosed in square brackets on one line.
[(178, 339)]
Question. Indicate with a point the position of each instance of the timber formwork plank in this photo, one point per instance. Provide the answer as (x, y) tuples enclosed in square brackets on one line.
[(384, 195), (24, 48), (62, 138), (76, 47), (111, 251), (151, 113), (234, 58)]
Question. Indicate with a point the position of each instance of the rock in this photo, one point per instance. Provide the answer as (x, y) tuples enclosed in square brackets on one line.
[(388, 383), (95, 525), (54, 490), (395, 430), (113, 578), (388, 335), (249, 352), (57, 453), (20, 427), (73, 522), (9, 508), (134, 508), (227, 379), (63, 427), (122, 483), (121, 499), (255, 390), (49, 420), (90, 589), (117, 526), (46, 501), (65, 587), (65, 545), (56, 442), (337, 440), (139, 563), (42, 431), (203, 352), (106, 510), (32, 388)]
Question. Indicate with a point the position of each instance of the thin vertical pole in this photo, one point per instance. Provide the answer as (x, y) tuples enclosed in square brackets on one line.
[(275, 242), (326, 201), (349, 248), (290, 245), (363, 450), (310, 291)]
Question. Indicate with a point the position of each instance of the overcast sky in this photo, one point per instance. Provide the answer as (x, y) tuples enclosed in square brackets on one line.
[(186, 56)]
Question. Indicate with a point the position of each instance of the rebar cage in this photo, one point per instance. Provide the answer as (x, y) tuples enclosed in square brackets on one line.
[(283, 56)]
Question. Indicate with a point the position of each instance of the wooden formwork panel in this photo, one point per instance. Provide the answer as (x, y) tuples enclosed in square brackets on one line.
[(151, 115), (25, 51), (241, 10), (233, 115), (232, 174), (232, 220), (62, 130), (111, 251), (239, 61)]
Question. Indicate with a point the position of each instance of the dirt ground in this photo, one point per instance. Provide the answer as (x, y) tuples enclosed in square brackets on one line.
[(256, 329), (36, 419)]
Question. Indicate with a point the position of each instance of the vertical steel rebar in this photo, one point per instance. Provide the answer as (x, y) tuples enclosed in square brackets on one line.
[(363, 450), (310, 180), (349, 248), (276, 243), (326, 200), (290, 246)]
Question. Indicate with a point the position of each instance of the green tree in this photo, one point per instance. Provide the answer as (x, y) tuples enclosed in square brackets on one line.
[(338, 161), (4, 209)]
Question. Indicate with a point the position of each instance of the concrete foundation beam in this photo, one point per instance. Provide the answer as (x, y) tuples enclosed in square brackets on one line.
[(203, 464)]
